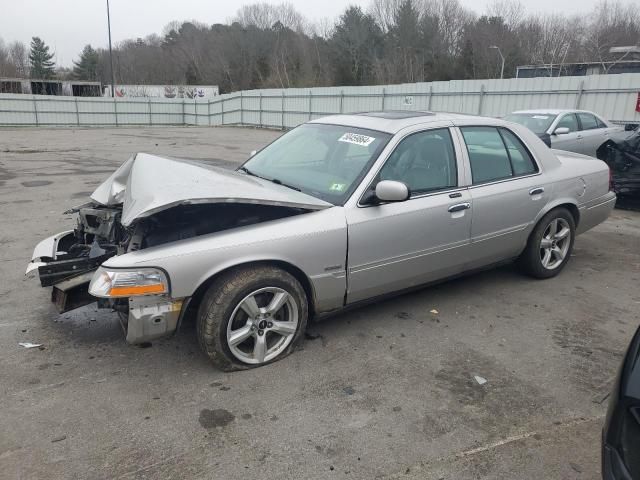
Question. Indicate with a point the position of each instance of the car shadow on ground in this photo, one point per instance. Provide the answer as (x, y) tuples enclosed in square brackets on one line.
[(89, 326)]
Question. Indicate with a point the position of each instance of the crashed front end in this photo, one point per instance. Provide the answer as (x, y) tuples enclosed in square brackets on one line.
[(147, 202), (70, 262), (623, 158)]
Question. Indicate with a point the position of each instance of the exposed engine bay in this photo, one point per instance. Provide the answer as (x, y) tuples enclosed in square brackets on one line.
[(99, 235)]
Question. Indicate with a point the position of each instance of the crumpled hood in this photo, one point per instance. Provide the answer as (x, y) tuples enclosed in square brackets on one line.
[(146, 184)]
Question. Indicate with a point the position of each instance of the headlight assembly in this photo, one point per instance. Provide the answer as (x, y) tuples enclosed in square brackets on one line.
[(128, 283)]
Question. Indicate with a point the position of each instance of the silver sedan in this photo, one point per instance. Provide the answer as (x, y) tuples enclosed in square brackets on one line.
[(577, 131), (335, 213)]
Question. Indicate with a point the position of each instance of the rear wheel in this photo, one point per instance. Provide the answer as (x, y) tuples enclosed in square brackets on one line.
[(550, 244), (251, 316)]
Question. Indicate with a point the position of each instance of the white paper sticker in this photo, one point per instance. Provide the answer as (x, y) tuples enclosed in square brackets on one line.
[(541, 117), (356, 139)]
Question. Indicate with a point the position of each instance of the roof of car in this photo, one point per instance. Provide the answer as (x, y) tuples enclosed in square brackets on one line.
[(391, 121)]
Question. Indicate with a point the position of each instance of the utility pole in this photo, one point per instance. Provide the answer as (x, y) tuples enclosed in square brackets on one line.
[(499, 53), (113, 78)]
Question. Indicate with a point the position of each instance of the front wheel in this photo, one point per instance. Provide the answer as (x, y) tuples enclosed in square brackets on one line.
[(251, 316), (550, 245)]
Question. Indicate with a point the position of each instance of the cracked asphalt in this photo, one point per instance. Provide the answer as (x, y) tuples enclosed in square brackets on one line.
[(386, 391)]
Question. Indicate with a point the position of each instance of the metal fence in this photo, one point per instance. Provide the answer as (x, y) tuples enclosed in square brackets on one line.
[(614, 97)]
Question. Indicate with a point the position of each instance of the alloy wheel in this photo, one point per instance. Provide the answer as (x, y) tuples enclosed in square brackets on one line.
[(555, 243), (262, 325)]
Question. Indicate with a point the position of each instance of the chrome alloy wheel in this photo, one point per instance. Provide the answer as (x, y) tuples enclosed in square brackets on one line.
[(262, 325), (555, 243)]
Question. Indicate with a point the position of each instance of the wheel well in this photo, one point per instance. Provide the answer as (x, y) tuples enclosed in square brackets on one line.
[(292, 269), (601, 151), (575, 213)]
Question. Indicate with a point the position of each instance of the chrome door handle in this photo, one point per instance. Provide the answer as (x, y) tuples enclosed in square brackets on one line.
[(536, 191), (459, 207)]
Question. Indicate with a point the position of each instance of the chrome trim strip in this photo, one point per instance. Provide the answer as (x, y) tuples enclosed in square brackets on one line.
[(501, 233), (408, 256)]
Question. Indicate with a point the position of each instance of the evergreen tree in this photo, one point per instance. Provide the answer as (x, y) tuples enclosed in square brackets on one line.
[(86, 68), (356, 44), (42, 64)]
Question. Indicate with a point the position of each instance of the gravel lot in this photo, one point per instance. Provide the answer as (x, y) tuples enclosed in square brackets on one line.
[(386, 391)]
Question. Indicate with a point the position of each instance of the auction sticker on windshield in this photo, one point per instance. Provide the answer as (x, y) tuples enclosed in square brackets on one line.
[(356, 139)]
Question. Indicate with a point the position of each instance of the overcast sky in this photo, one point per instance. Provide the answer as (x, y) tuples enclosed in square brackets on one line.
[(67, 25)]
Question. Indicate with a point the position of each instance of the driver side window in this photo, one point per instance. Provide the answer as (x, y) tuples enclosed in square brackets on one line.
[(570, 121), (424, 161)]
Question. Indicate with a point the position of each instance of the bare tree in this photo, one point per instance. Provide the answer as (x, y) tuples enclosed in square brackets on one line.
[(20, 58), (273, 45)]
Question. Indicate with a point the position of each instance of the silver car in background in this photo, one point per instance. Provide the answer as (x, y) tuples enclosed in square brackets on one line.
[(335, 213), (576, 131)]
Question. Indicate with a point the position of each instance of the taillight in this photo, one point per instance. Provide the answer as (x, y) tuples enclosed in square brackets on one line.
[(611, 187)]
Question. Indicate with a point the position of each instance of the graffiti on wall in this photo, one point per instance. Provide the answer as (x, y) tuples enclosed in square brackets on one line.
[(163, 91)]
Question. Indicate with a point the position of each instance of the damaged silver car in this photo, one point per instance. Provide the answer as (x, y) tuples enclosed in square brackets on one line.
[(337, 212)]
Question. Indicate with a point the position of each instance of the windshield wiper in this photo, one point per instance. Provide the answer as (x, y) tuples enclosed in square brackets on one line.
[(274, 180), (278, 182)]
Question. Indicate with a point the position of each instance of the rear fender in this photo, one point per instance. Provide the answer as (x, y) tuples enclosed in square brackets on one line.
[(555, 203)]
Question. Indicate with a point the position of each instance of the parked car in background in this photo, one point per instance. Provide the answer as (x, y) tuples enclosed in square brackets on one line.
[(336, 212), (577, 131), (623, 158), (621, 433)]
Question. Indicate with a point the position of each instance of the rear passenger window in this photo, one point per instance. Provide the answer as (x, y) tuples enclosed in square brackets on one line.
[(521, 160), (496, 154), (487, 155), (587, 121)]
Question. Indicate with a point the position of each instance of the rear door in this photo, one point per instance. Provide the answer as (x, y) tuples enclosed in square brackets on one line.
[(571, 141), (594, 133), (507, 193)]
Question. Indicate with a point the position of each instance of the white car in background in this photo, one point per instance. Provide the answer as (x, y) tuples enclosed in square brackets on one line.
[(576, 131)]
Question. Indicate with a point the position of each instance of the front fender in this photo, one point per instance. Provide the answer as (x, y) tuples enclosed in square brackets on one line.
[(315, 243)]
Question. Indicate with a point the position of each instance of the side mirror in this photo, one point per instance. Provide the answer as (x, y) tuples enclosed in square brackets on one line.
[(253, 152), (561, 131), (630, 127), (391, 191)]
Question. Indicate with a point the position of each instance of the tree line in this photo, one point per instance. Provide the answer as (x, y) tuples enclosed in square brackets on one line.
[(391, 41)]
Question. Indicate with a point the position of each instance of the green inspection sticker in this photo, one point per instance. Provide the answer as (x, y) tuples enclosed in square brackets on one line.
[(337, 187)]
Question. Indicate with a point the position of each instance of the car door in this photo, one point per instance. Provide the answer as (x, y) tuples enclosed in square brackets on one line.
[(593, 134), (394, 246), (507, 193), (571, 141)]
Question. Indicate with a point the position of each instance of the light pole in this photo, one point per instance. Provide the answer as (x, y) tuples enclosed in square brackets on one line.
[(113, 78), (501, 57)]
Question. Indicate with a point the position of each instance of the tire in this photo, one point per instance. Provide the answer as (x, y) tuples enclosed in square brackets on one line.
[(547, 254), (234, 339)]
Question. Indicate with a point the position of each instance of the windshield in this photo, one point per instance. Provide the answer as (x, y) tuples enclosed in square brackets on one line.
[(326, 161), (538, 123)]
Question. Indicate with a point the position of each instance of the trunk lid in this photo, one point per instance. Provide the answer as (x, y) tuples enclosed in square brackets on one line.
[(147, 184)]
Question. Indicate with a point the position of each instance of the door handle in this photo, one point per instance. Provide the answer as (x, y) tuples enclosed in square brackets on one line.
[(459, 207), (536, 191), (579, 137)]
